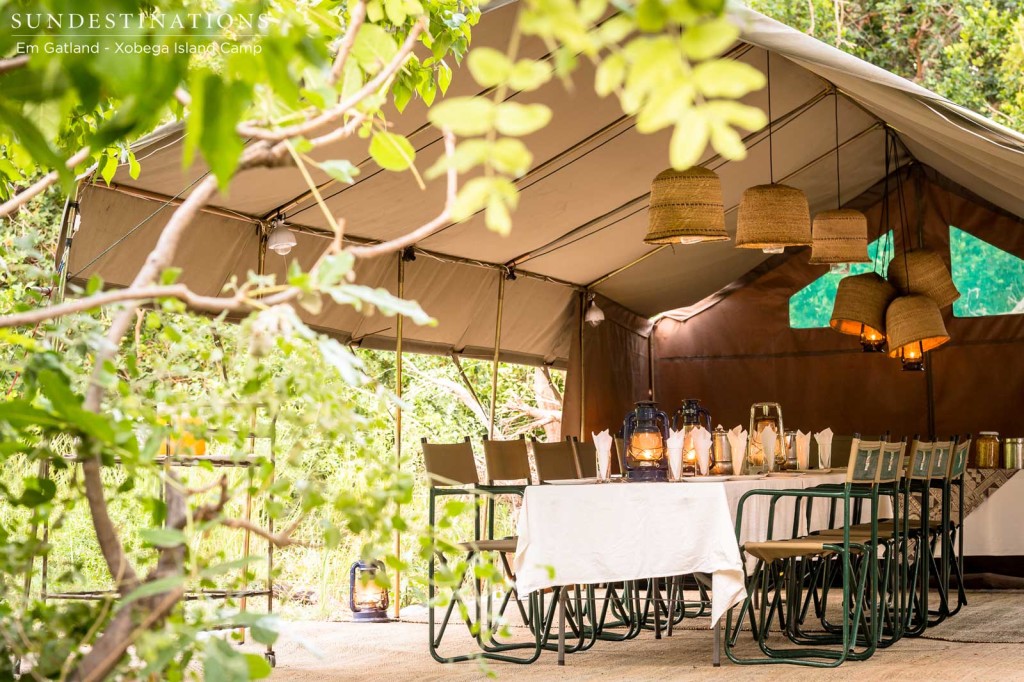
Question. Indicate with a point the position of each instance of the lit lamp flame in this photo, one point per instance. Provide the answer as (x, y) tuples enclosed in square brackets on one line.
[(871, 340), (646, 446)]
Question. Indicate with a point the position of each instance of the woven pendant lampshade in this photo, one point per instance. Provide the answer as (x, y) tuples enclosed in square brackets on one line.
[(772, 217), (861, 301), (686, 208), (914, 326), (839, 236), (927, 275)]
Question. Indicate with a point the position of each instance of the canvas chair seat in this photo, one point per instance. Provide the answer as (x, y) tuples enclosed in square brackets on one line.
[(504, 545), (771, 550)]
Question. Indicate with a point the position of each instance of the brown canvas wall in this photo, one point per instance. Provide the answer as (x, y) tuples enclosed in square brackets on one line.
[(743, 350)]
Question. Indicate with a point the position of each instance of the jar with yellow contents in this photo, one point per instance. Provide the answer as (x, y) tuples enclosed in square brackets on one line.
[(986, 454)]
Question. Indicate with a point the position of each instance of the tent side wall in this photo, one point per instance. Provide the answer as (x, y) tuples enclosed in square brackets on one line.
[(743, 349)]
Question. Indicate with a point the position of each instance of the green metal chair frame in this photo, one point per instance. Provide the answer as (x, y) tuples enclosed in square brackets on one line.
[(859, 594)]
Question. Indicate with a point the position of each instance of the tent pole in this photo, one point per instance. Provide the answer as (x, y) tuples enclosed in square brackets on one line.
[(398, 425), (583, 364), (650, 357), (497, 350)]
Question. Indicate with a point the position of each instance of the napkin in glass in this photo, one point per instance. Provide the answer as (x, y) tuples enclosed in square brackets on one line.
[(603, 445), (702, 444), (803, 450), (769, 441), (738, 448), (674, 445), (824, 439)]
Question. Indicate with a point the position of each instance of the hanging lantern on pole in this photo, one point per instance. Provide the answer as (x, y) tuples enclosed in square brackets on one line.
[(686, 208), (914, 326)]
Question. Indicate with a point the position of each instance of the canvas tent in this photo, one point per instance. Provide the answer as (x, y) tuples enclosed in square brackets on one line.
[(579, 229)]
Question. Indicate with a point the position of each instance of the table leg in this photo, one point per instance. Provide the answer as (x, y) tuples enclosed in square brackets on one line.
[(716, 651), (561, 626)]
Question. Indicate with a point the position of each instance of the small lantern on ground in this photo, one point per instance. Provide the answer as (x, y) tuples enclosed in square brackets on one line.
[(367, 599)]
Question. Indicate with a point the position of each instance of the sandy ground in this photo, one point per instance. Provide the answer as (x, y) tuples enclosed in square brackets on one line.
[(398, 651)]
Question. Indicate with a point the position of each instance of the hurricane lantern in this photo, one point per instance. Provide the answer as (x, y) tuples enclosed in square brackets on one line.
[(644, 433), (914, 326), (367, 599), (687, 418), (859, 309), (762, 415)]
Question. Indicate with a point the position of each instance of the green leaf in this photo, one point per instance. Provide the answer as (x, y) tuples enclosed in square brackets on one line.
[(727, 78), (488, 66), (444, 76), (259, 667), (727, 142), (334, 268), (162, 537), (109, 168), (510, 156), (663, 108), (134, 169), (217, 107), (610, 74), (395, 9), (689, 139), (650, 16), (392, 151), (528, 74), (38, 491), (497, 217), (735, 114), (709, 39), (153, 587), (512, 118), (374, 48), (464, 116), (341, 170)]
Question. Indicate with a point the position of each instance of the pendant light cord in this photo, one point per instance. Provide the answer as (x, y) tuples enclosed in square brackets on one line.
[(884, 220), (771, 156), (839, 188)]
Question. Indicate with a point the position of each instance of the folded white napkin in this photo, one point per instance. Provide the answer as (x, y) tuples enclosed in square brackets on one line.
[(702, 444), (738, 448), (603, 445), (769, 441), (824, 439), (803, 450), (674, 446), (675, 439)]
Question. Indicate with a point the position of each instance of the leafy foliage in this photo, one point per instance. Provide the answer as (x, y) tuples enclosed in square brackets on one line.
[(990, 280)]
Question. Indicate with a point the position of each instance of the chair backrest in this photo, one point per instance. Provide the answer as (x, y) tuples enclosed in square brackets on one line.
[(507, 460), (586, 458), (942, 452), (919, 464), (865, 460), (450, 463), (891, 468), (958, 463), (555, 461)]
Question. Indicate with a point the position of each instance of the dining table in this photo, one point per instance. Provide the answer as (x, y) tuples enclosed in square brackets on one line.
[(582, 532)]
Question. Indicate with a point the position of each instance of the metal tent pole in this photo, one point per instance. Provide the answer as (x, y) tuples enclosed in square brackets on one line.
[(398, 424), (583, 364), (497, 351)]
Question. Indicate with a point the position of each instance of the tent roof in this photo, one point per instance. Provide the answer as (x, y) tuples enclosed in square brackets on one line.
[(583, 206)]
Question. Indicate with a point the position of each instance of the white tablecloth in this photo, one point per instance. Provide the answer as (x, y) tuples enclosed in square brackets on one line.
[(588, 534)]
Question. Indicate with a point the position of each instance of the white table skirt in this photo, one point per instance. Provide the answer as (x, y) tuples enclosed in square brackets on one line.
[(588, 534)]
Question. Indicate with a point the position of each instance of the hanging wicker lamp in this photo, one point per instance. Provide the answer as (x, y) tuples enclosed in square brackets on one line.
[(686, 208), (927, 275), (772, 217), (914, 326), (861, 301), (839, 236)]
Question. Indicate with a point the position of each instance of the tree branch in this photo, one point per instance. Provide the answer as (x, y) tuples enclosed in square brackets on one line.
[(282, 539), (13, 63), (356, 17), (424, 231), (40, 185), (339, 110)]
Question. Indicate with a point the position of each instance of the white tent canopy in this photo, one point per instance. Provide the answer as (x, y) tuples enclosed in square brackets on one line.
[(582, 213)]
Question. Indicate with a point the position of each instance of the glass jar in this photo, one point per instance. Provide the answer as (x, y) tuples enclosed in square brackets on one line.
[(987, 450), (1013, 453)]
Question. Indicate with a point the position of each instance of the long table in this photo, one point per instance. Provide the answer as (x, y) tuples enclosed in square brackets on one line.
[(586, 534)]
